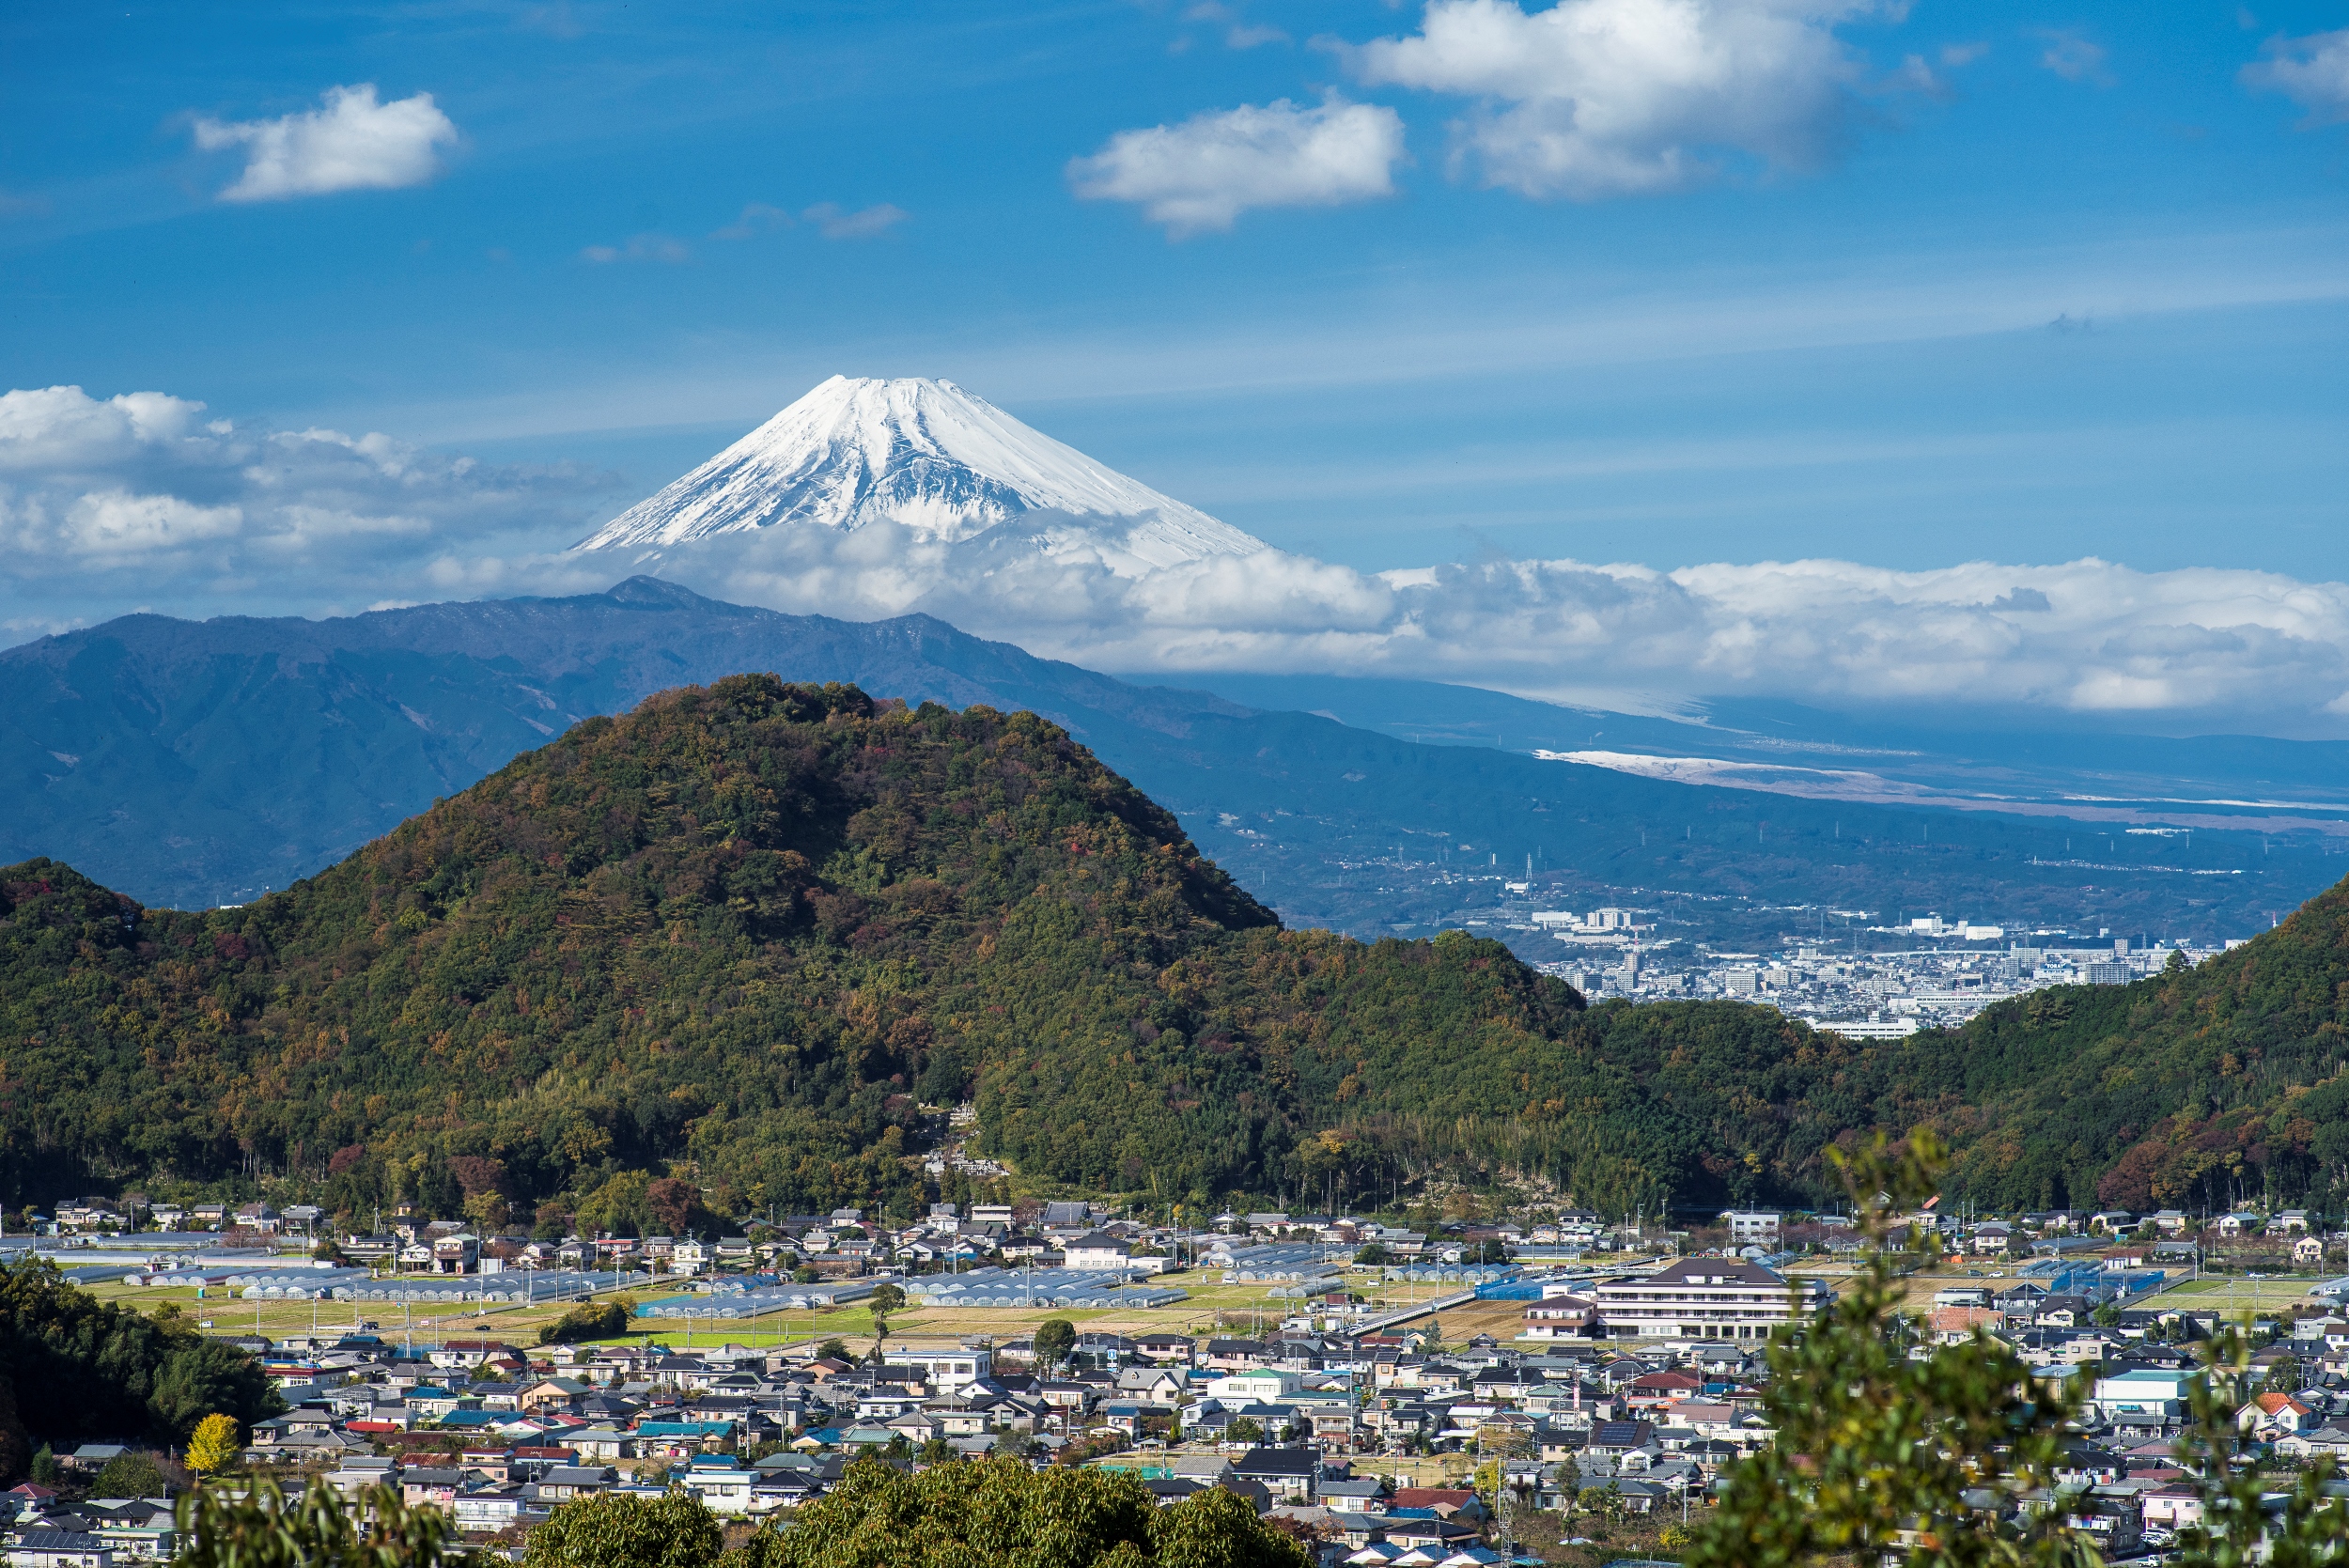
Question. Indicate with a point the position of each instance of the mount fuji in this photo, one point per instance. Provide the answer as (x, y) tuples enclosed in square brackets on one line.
[(935, 459)]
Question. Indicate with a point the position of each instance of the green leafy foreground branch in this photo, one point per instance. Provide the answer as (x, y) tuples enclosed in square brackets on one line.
[(1948, 1458), (976, 1514)]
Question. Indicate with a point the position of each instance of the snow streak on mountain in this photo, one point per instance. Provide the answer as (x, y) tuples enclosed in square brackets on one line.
[(930, 457)]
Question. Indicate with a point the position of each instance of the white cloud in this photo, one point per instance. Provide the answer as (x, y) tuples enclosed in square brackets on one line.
[(142, 496), (1602, 98), (640, 247), (2313, 72), (833, 223), (757, 218), (1204, 173), (1237, 34), (352, 143), (2074, 57), (2088, 637), (147, 498)]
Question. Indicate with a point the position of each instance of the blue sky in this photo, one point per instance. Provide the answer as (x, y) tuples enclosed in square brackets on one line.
[(2015, 283)]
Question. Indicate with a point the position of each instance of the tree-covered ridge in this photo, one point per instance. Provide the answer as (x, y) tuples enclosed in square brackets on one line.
[(717, 952), (738, 934), (2213, 1084), (749, 921)]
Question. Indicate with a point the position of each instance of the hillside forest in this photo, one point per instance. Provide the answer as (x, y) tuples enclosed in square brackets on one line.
[(713, 957)]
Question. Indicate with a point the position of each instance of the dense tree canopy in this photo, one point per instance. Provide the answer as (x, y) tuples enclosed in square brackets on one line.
[(740, 934), (1000, 1513), (2209, 1085), (74, 1370), (715, 954)]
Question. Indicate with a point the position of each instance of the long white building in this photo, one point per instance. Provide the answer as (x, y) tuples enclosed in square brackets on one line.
[(1705, 1298)]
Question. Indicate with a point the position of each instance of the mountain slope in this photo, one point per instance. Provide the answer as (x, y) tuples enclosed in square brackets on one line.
[(200, 763), (2202, 1089), (739, 933), (196, 764), (923, 454)]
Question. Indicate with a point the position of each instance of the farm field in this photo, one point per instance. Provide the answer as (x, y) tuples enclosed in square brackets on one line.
[(1212, 1307), (2232, 1293)]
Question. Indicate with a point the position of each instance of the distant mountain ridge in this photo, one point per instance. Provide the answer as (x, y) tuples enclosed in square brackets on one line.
[(191, 764), (928, 456), (202, 761)]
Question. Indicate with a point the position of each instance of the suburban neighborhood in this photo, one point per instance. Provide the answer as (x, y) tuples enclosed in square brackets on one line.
[(1393, 1396)]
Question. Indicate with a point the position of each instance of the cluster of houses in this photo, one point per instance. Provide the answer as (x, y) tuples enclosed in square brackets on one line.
[(498, 1438), (1625, 1391), (2174, 1232), (43, 1530), (132, 1212), (1297, 1423), (845, 1243)]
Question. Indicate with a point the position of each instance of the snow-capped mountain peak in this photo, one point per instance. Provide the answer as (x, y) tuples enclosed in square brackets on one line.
[(928, 456)]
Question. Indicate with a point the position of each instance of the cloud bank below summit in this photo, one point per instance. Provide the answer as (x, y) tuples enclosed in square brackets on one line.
[(144, 501)]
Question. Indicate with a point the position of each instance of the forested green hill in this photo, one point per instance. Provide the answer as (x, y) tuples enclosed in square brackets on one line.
[(736, 936), (714, 954), (2208, 1086)]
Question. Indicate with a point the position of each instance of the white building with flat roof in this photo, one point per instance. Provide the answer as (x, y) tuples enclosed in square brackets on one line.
[(1705, 1298), (946, 1369)]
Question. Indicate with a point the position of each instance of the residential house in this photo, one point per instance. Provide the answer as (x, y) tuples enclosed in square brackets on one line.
[(1559, 1317), (2270, 1416), (486, 1507), (566, 1482), (1956, 1324), (1100, 1250), (723, 1486), (2173, 1507), (57, 1548), (434, 1489), (1288, 1473)]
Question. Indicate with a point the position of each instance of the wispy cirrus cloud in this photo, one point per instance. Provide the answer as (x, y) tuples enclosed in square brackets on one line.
[(756, 218), (2074, 57), (640, 247), (351, 143)]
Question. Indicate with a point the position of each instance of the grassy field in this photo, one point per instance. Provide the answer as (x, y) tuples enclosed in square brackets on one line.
[(2229, 1294), (1212, 1307)]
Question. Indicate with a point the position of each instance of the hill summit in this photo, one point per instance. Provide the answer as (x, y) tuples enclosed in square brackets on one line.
[(735, 940), (719, 953)]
